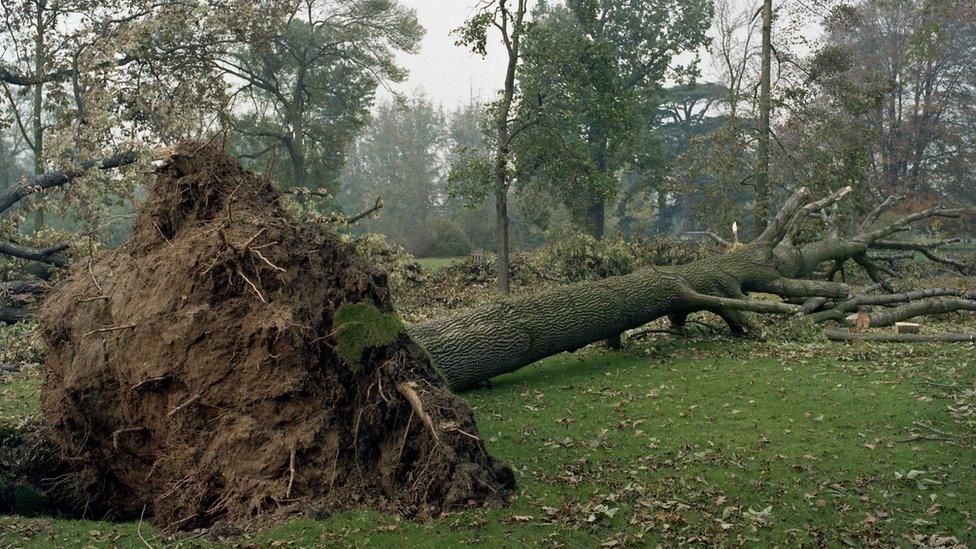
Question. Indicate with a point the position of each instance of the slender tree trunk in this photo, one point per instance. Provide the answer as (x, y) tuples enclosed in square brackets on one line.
[(37, 114), (501, 222), (761, 213), (662, 205), (596, 216), (596, 208), (500, 183), (500, 176)]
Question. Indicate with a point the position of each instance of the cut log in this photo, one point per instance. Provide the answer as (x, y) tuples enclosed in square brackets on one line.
[(907, 327)]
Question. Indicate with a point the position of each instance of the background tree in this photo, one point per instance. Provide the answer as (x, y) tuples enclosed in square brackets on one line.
[(593, 78), (93, 73), (306, 90), (400, 157), (761, 210), (919, 54), (469, 143), (508, 17)]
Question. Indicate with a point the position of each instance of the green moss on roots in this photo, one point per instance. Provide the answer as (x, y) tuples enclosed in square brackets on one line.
[(359, 326)]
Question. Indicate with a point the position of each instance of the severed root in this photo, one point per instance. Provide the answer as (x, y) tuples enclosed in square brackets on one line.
[(844, 335), (409, 391)]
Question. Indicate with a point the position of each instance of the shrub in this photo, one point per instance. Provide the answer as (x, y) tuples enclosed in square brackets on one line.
[(447, 239)]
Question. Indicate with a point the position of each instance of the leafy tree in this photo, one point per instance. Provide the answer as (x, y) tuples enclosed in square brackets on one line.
[(592, 84), (306, 89), (469, 146), (915, 56), (688, 113), (93, 73)]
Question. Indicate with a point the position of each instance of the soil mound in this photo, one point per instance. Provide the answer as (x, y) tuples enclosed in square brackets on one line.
[(227, 363)]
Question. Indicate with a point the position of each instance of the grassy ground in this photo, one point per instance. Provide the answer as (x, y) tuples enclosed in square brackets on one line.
[(432, 263), (727, 442)]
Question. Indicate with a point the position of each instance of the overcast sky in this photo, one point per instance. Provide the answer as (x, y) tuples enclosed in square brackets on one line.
[(449, 74)]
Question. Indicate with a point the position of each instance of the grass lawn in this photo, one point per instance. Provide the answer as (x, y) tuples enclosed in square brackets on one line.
[(727, 442), (432, 263)]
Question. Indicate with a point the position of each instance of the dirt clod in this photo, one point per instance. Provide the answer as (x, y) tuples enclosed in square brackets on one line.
[(227, 365)]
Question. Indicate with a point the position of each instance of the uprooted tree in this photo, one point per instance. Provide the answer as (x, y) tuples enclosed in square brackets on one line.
[(227, 362), (501, 337)]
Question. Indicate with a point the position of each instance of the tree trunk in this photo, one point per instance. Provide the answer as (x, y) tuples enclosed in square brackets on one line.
[(499, 173), (502, 337), (501, 224), (596, 216), (37, 112), (761, 212)]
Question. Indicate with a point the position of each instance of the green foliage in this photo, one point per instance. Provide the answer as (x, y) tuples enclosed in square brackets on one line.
[(308, 88), (591, 90), (399, 157), (474, 33), (579, 256), (20, 344), (574, 256), (359, 326)]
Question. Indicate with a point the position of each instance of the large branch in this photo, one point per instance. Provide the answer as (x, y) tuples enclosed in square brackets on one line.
[(23, 287), (905, 223), (844, 335), (45, 255), (54, 179), (12, 315), (839, 311), (921, 308)]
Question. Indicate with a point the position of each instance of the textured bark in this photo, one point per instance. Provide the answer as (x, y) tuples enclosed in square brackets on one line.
[(921, 308)]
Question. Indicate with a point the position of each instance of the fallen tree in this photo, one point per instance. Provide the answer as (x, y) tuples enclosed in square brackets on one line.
[(223, 329), (502, 337)]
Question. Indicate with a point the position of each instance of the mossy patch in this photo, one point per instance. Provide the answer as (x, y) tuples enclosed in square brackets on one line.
[(361, 325)]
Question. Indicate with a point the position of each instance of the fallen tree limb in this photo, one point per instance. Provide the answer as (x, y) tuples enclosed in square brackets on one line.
[(840, 310), (378, 205), (23, 287), (45, 255), (844, 335), (11, 315), (921, 308), (54, 179)]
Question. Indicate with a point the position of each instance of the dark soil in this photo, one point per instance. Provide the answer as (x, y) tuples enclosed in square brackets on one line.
[(199, 373)]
